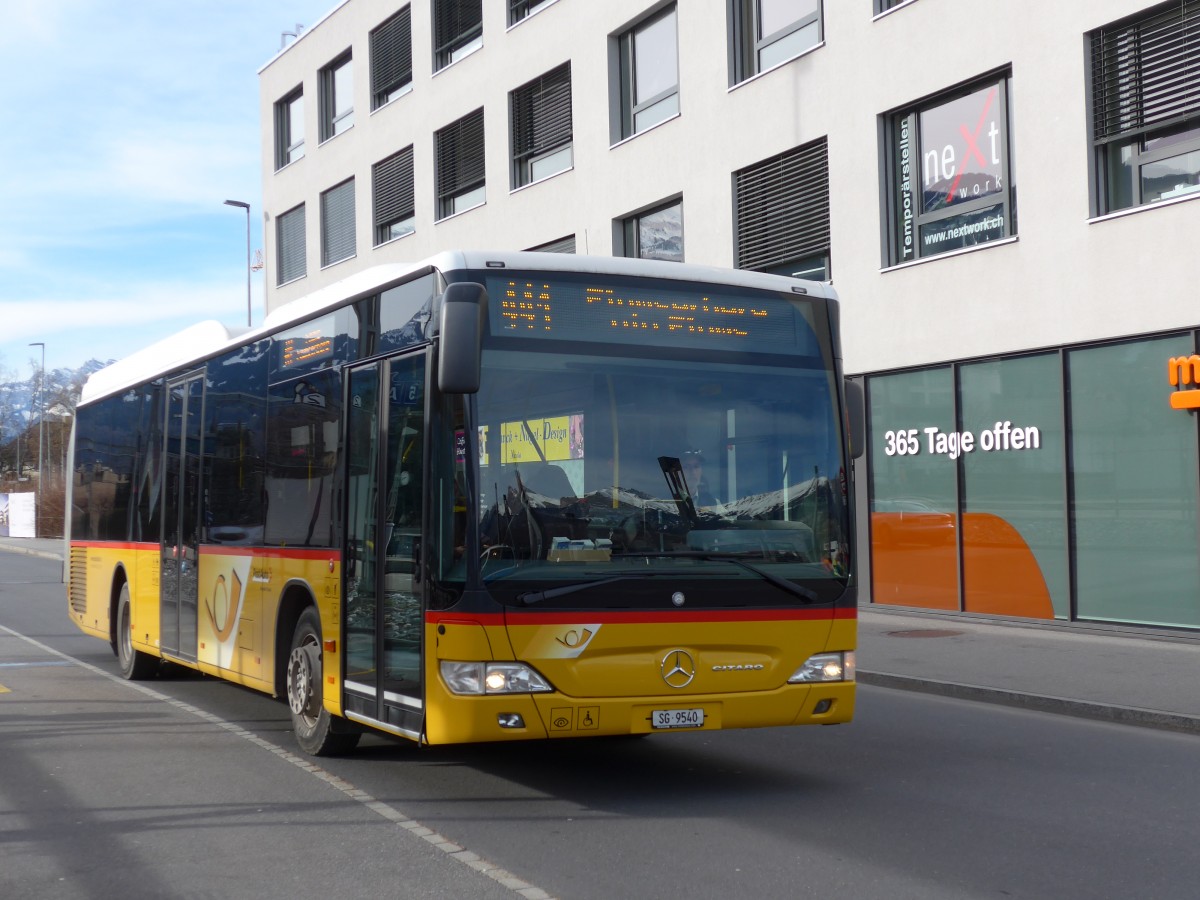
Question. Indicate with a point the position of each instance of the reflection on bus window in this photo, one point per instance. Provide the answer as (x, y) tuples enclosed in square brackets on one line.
[(599, 454)]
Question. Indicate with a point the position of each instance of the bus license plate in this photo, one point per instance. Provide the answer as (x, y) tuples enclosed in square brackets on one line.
[(677, 718)]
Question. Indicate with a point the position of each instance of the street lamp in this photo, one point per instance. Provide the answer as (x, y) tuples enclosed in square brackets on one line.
[(246, 206), (39, 493)]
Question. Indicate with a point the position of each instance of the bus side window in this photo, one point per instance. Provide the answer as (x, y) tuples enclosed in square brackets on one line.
[(302, 445)]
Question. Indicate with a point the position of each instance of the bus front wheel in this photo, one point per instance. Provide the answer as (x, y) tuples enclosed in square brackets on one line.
[(134, 664), (317, 732)]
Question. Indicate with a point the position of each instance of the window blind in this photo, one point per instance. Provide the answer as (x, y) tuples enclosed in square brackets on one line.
[(391, 56), (393, 178), (337, 223), (290, 238), (459, 154), (541, 113), (1146, 71), (782, 207)]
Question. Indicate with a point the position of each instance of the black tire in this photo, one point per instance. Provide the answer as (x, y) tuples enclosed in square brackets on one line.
[(134, 664), (317, 732)]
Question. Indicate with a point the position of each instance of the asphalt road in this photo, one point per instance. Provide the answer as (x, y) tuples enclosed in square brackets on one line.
[(194, 790)]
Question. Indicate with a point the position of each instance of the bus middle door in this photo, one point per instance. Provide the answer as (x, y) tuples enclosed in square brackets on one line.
[(385, 605), (180, 552)]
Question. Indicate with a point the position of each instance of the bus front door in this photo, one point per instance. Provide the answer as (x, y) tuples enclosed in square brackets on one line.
[(179, 580), (385, 607)]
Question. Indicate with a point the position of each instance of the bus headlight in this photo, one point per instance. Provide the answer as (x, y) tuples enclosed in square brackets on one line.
[(825, 667), (492, 678)]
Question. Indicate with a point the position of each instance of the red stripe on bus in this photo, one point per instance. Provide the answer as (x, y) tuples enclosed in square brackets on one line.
[(443, 618), (641, 617), (271, 552), (114, 545), (218, 550)]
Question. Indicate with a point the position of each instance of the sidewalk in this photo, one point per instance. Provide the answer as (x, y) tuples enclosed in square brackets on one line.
[(1133, 676), (50, 548)]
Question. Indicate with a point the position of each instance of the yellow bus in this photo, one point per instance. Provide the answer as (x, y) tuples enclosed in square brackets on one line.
[(487, 497)]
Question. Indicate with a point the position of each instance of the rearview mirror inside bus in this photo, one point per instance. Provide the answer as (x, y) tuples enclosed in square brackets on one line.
[(461, 337)]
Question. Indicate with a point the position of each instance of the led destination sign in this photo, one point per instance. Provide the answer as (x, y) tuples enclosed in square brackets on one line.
[(655, 313)]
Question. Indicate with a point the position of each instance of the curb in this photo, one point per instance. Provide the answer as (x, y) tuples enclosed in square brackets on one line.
[(1083, 709), (29, 551)]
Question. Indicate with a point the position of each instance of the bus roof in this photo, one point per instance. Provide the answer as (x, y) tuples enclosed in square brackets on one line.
[(194, 342), (206, 339)]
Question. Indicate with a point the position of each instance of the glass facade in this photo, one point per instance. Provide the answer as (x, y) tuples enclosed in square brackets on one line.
[(1134, 473), (1057, 485), (914, 560), (1014, 488)]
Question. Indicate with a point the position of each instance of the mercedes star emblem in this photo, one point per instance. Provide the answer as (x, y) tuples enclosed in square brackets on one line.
[(678, 668)]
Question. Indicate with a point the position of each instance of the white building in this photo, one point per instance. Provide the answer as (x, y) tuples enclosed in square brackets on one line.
[(1002, 193)]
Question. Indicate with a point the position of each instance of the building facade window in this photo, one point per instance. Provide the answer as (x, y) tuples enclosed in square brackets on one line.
[(1146, 107), (656, 233), (949, 172), (518, 10), (766, 33), (336, 97), (459, 156), (289, 239), (457, 30), (781, 208), (337, 223), (882, 6), (391, 59), (562, 245), (289, 129), (648, 77), (393, 196), (540, 115)]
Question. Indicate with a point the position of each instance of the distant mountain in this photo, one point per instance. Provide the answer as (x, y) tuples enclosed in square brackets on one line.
[(21, 402)]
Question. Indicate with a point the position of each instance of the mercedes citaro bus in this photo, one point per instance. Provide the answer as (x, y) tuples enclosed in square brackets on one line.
[(458, 501)]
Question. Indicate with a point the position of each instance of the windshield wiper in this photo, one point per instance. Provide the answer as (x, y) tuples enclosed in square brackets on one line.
[(796, 590), (531, 597)]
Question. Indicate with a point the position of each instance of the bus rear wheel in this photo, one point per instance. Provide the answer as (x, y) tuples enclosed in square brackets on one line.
[(134, 664), (317, 732)]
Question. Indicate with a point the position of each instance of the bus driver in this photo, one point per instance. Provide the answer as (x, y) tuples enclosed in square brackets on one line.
[(693, 472)]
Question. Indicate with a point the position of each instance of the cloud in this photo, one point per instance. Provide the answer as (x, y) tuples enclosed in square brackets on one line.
[(192, 167), (104, 323), (36, 23), (150, 305)]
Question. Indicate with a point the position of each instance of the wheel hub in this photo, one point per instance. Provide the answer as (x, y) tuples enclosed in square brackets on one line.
[(303, 666)]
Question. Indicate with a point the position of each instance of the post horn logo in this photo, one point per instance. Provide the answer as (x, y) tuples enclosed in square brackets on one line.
[(678, 668)]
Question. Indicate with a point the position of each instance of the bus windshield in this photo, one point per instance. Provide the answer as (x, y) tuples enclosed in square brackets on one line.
[(609, 476)]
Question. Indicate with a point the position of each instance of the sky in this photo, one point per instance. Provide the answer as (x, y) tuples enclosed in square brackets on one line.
[(128, 126)]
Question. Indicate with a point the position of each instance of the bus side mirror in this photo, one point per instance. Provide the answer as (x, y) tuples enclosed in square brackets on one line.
[(461, 332), (856, 418)]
